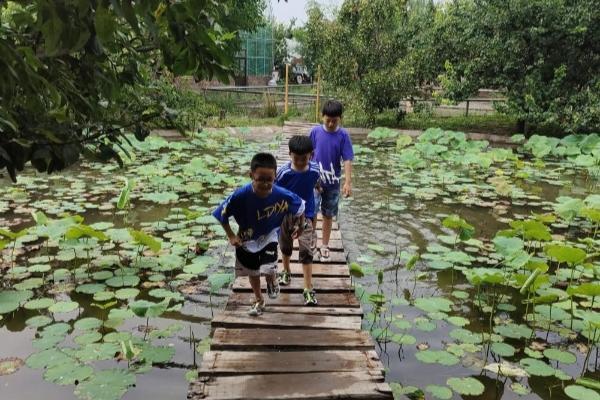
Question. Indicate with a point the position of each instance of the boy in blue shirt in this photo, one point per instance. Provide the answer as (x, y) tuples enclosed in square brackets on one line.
[(259, 208), (300, 176), (332, 145)]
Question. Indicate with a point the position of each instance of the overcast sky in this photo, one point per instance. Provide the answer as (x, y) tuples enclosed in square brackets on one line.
[(284, 12)]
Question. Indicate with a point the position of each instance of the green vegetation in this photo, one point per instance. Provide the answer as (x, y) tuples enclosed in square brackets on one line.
[(80, 287), (518, 301), (540, 53), (78, 75)]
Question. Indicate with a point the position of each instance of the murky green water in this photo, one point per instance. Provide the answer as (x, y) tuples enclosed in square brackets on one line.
[(391, 208)]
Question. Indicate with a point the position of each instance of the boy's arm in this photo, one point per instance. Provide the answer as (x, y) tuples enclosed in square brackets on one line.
[(347, 188), (234, 239)]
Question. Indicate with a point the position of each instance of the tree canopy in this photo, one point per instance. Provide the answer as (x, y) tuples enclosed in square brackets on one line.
[(74, 70), (543, 54)]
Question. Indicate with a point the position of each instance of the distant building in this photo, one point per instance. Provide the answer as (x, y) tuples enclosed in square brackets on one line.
[(254, 62)]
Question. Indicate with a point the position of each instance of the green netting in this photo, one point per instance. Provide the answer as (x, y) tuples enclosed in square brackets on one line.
[(257, 49)]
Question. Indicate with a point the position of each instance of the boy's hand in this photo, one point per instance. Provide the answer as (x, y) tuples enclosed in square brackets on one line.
[(347, 189), (235, 241), (297, 232)]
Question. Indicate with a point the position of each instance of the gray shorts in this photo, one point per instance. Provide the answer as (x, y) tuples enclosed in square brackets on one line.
[(306, 242)]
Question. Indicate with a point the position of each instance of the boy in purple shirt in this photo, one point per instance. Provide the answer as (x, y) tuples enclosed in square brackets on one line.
[(332, 145)]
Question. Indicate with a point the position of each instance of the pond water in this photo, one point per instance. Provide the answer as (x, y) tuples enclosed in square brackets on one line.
[(69, 306)]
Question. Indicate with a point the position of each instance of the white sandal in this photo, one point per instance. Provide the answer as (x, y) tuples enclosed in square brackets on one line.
[(324, 253)]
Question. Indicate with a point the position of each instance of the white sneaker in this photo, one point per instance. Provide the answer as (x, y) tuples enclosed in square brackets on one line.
[(257, 308)]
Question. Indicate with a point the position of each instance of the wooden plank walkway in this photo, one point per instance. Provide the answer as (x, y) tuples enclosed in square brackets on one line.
[(293, 352)]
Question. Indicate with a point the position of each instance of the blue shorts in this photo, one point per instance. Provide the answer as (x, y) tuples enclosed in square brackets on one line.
[(327, 201)]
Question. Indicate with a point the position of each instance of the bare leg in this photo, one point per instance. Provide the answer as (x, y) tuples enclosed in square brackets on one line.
[(307, 272), (327, 223), (286, 262), (270, 279), (255, 283)]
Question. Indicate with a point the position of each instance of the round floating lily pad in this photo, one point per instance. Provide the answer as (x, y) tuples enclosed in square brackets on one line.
[(433, 304), (89, 323), (88, 338), (39, 268), (116, 337), (519, 389), (102, 275), (503, 349), (564, 357), (97, 352), (68, 373), (537, 367), (127, 293), (47, 358), (38, 321), (63, 307), (10, 365), (122, 281), (426, 326), (439, 392), (458, 321), (577, 392), (39, 304), (28, 284), (459, 294), (466, 386), (110, 384), (466, 336), (59, 328), (513, 331), (437, 356), (47, 341), (90, 288), (104, 295), (403, 339)]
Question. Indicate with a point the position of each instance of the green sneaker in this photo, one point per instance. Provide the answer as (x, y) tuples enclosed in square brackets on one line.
[(309, 297), (285, 278)]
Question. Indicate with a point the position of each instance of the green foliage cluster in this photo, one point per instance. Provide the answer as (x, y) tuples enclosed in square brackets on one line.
[(75, 72), (543, 54)]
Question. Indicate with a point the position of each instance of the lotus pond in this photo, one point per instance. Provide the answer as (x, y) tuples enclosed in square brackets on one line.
[(477, 267)]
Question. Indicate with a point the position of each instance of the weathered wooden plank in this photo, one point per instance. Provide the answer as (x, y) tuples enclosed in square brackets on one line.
[(335, 257), (220, 363), (290, 339), (322, 285), (333, 311), (363, 385), (296, 300), (334, 245), (240, 319), (319, 270)]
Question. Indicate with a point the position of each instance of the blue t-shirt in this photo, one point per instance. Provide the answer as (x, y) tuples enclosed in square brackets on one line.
[(258, 218), (330, 149), (300, 182)]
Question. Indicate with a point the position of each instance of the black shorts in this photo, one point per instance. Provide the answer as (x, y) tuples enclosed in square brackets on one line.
[(253, 261)]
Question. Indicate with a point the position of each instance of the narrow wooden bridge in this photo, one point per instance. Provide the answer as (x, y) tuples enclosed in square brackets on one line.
[(292, 351)]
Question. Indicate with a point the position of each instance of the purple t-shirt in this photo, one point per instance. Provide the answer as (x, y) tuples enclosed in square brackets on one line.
[(330, 149)]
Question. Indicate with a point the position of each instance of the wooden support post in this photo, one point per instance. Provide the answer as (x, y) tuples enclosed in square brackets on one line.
[(285, 109), (467, 109), (318, 93)]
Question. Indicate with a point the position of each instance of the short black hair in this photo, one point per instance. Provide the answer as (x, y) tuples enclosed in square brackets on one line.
[(263, 160), (300, 144), (333, 108)]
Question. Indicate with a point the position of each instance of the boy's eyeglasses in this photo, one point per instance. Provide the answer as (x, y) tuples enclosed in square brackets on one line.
[(263, 180)]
